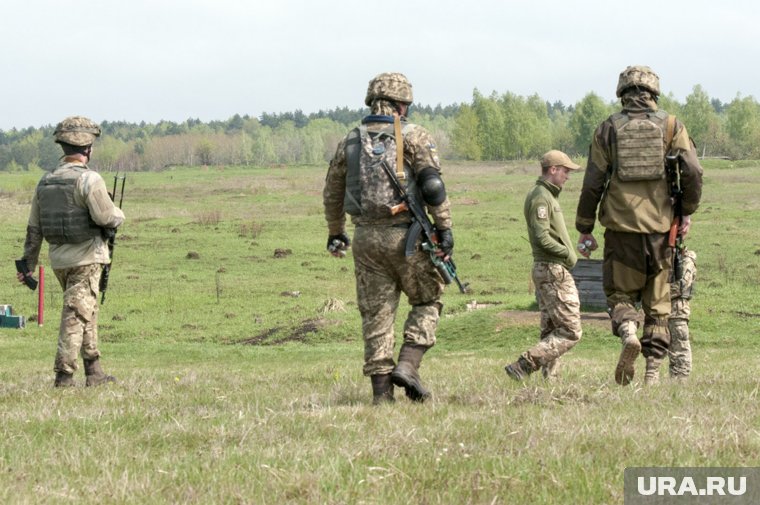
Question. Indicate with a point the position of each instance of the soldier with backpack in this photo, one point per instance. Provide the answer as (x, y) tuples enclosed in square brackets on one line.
[(626, 181), (357, 184)]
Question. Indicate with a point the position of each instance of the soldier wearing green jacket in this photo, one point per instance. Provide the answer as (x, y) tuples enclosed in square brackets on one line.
[(553, 257)]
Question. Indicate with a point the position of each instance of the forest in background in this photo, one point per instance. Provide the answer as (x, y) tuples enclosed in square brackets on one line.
[(500, 126)]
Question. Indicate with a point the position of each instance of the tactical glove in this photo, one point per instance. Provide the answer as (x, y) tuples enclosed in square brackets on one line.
[(445, 241), (338, 242)]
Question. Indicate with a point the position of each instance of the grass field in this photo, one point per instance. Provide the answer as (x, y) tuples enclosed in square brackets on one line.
[(237, 345)]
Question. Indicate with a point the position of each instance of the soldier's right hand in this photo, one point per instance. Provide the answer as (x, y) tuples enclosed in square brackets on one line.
[(587, 244), (338, 244)]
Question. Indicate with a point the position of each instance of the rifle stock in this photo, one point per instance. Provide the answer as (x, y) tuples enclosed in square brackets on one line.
[(673, 234)]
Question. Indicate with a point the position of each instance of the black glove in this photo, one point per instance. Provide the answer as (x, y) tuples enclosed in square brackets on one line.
[(342, 238), (445, 241)]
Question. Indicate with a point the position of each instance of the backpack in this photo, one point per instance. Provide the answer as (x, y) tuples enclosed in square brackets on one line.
[(369, 192)]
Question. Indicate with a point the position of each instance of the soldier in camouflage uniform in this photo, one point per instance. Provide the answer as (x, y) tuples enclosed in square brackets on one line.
[(626, 181), (553, 257), (70, 210), (357, 184), (679, 353)]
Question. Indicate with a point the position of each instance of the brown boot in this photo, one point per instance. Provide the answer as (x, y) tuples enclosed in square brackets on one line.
[(94, 373), (405, 374), (519, 370), (631, 348), (382, 389), (652, 373), (64, 380)]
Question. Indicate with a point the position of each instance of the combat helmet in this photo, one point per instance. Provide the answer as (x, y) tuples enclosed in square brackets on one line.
[(76, 131), (391, 86), (638, 76)]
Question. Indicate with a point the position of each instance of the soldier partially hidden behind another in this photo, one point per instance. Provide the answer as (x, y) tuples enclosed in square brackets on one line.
[(70, 209), (553, 257), (626, 181), (681, 290), (357, 184)]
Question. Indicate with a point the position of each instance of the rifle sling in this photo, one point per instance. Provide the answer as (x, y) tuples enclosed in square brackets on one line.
[(670, 130), (399, 148)]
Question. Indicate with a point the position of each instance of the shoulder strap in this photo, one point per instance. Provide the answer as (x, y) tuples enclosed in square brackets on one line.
[(670, 130), (399, 148)]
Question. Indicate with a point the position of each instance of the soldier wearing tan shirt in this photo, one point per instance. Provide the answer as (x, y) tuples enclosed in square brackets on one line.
[(70, 209)]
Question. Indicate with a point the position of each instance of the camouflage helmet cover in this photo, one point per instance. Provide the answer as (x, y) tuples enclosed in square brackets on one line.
[(638, 76), (390, 86), (77, 131)]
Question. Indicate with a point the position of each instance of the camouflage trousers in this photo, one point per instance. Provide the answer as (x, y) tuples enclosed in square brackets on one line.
[(560, 309), (78, 332), (636, 269), (382, 274), (679, 354)]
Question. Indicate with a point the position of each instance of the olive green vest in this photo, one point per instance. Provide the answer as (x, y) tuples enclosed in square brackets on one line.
[(61, 220)]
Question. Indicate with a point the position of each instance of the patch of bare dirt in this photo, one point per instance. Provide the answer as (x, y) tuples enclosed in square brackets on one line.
[(282, 335)]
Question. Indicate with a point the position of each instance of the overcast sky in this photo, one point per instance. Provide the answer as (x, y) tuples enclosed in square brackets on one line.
[(148, 60)]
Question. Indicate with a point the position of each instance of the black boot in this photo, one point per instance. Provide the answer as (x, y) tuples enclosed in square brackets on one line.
[(94, 373), (382, 389), (405, 374)]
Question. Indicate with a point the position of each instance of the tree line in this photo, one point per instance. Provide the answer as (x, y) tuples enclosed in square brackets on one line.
[(503, 126)]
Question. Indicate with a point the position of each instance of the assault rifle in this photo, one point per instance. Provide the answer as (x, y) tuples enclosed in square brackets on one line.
[(421, 225), (675, 238), (110, 235)]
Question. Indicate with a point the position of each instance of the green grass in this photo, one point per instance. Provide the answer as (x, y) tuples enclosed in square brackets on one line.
[(235, 389)]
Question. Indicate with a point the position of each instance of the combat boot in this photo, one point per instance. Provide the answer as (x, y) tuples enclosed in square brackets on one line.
[(550, 371), (631, 348), (405, 374), (94, 373), (652, 373), (63, 380), (382, 389), (519, 370)]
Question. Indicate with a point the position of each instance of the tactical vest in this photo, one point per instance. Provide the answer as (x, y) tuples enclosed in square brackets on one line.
[(641, 145), (369, 192), (62, 221)]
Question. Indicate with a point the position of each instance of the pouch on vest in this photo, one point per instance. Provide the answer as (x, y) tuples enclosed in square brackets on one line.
[(640, 147), (369, 192)]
